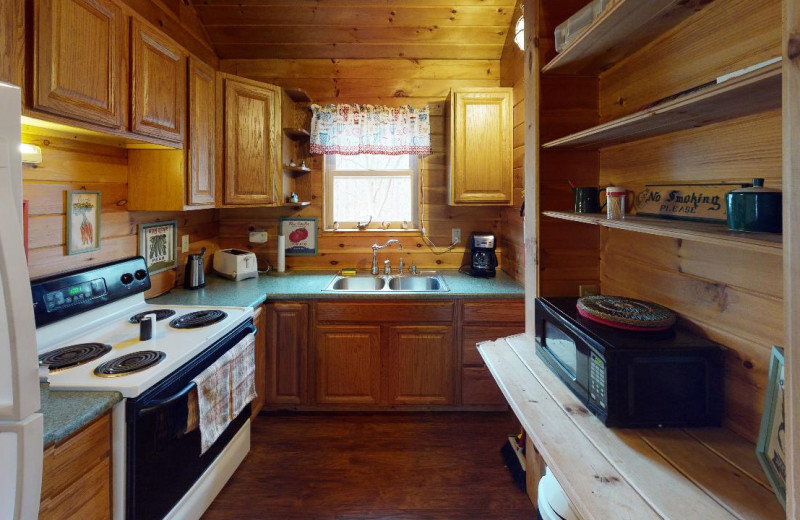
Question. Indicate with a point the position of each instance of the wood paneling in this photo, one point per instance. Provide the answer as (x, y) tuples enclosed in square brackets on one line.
[(348, 364), (70, 164), (79, 60), (158, 84), (390, 82), (287, 353), (403, 29)]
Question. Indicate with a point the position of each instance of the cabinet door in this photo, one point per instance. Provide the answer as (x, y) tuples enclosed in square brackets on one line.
[(202, 133), (260, 321), (158, 83), (481, 141), (420, 368), (252, 144), (80, 60), (348, 366), (287, 353)]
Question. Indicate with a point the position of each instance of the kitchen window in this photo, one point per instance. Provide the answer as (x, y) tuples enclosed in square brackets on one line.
[(377, 192)]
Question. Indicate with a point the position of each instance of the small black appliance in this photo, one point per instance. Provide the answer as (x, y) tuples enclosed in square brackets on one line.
[(484, 260)]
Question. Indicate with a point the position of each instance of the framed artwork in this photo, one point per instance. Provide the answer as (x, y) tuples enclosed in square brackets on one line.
[(83, 221), (158, 243), (301, 236), (771, 447)]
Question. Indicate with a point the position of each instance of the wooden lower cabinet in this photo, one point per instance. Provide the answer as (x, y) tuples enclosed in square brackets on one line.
[(76, 475), (260, 321), (287, 353), (420, 366), (348, 364)]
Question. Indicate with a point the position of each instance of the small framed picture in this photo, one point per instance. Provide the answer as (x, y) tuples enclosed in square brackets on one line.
[(83, 221), (158, 243), (771, 447), (300, 236)]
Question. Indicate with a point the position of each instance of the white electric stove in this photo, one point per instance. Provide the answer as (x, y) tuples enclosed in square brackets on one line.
[(91, 336)]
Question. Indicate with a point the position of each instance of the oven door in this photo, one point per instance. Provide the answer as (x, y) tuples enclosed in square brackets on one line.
[(164, 462)]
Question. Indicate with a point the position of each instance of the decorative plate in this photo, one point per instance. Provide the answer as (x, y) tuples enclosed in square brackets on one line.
[(626, 313)]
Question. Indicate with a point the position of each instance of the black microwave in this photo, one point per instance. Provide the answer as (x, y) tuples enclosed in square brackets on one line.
[(632, 379)]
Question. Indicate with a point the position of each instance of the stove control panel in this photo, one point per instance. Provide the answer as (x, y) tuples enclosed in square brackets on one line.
[(64, 295)]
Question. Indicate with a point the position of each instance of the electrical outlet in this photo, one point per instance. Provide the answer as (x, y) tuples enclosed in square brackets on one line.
[(456, 235), (588, 290), (184, 243), (258, 237)]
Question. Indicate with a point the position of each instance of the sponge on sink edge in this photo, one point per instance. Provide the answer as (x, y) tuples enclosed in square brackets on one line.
[(350, 271)]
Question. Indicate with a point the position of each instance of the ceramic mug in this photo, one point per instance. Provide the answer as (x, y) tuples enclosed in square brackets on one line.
[(587, 199)]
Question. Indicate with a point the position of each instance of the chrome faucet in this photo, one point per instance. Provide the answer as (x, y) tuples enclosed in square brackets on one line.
[(376, 247)]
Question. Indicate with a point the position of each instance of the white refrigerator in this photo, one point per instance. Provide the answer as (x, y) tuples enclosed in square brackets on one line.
[(20, 426)]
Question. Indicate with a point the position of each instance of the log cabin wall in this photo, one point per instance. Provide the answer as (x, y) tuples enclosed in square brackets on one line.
[(373, 81), (732, 296), (69, 164), (512, 241)]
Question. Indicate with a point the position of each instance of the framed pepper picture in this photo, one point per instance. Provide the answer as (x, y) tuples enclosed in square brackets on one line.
[(301, 236), (771, 447), (158, 245), (83, 221)]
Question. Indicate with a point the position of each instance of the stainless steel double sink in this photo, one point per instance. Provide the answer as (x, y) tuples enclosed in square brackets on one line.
[(423, 281)]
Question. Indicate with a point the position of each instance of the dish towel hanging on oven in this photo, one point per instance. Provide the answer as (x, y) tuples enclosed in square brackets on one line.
[(223, 390)]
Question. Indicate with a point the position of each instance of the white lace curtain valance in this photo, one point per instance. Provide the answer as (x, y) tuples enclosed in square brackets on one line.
[(370, 129)]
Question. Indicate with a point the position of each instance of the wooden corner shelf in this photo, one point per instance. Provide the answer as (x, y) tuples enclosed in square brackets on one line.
[(296, 205), (296, 169), (751, 93), (644, 474), (297, 95), (709, 233), (621, 30), (297, 134)]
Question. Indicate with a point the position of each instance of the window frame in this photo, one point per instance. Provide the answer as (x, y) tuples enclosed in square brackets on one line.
[(329, 175)]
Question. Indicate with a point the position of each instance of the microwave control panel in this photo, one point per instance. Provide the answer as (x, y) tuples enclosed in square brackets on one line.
[(597, 380)]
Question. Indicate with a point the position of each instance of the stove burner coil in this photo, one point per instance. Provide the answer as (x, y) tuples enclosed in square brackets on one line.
[(129, 363), (161, 314), (197, 319), (72, 356)]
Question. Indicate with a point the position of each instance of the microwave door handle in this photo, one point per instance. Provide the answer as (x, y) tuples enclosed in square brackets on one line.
[(157, 405)]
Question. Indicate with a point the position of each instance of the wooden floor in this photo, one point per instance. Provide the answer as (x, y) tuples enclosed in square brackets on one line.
[(369, 466)]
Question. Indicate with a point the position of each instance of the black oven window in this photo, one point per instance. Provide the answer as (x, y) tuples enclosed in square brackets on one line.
[(561, 346)]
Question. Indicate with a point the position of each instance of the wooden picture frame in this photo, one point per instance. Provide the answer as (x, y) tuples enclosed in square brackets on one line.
[(158, 244), (300, 236), (771, 449), (83, 221)]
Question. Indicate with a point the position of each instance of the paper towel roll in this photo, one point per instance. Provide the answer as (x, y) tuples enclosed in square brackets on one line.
[(281, 253)]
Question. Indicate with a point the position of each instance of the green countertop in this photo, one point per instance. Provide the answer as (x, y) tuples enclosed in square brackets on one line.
[(67, 412), (310, 284)]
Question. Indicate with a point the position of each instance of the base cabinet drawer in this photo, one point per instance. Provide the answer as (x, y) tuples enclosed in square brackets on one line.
[(478, 388), (474, 334)]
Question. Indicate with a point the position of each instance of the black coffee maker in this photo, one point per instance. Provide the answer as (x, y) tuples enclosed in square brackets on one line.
[(484, 260)]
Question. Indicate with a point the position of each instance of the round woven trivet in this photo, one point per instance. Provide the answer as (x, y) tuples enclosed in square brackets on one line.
[(626, 313)]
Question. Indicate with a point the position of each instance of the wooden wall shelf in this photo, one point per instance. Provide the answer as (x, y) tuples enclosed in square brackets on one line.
[(295, 205), (296, 169), (619, 32), (297, 134), (709, 233), (751, 93), (297, 95), (707, 473)]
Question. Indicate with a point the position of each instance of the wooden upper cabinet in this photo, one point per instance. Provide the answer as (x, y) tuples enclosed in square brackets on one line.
[(481, 146), (158, 84), (287, 353), (80, 60), (202, 133), (252, 143), (420, 369)]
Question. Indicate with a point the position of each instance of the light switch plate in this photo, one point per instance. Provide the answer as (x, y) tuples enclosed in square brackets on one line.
[(184, 243), (258, 237)]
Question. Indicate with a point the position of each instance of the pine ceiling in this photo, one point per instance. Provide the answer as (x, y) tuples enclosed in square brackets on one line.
[(381, 29)]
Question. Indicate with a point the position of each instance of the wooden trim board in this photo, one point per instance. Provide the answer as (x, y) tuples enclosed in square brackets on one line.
[(653, 473)]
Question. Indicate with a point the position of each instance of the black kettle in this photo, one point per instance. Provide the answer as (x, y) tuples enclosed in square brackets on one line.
[(195, 275)]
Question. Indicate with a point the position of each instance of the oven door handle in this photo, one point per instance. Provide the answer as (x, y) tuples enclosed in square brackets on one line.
[(166, 401)]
